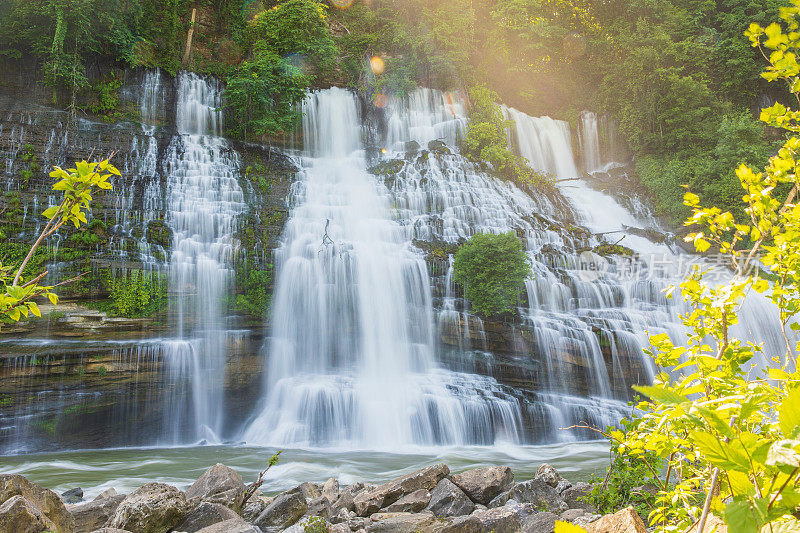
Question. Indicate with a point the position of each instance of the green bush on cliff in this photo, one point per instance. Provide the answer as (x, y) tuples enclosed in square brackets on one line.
[(139, 294), (492, 270)]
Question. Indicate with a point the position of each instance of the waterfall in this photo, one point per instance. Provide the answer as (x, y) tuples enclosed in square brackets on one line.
[(590, 141), (351, 358), (203, 201)]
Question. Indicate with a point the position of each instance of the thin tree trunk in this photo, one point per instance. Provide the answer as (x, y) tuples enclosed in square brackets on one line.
[(188, 50)]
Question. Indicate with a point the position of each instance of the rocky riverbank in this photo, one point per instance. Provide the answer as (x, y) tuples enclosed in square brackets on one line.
[(432, 499)]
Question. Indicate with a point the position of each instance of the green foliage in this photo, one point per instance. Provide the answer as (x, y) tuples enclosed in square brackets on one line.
[(492, 270), (290, 42), (730, 430), (139, 293), (77, 185), (315, 524), (253, 283), (107, 94), (625, 483), (486, 141)]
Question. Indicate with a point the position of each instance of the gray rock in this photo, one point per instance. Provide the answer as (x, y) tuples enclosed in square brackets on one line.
[(93, 515), (483, 484), (235, 525), (535, 492), (462, 524), (254, 507), (314, 524), (344, 501), (500, 520), (320, 507), (412, 503), (575, 496), (370, 501), (539, 523), (152, 508), (219, 484), (205, 514), (311, 491), (72, 495), (18, 515), (282, 512), (449, 500), (111, 530), (586, 519), (562, 486), (330, 490), (570, 515), (46, 501), (339, 528), (400, 522), (548, 474), (109, 492)]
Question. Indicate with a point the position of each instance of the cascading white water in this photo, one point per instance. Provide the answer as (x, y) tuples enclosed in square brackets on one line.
[(203, 201), (590, 141), (351, 355)]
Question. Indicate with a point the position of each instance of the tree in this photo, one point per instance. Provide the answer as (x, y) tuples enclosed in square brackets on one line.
[(290, 43), (77, 184), (729, 430), (492, 270)]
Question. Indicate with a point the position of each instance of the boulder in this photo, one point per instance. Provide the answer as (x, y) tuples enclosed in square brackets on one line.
[(234, 525), (111, 530), (412, 503), (92, 515), (500, 520), (109, 492), (219, 484), (319, 507), (535, 491), (549, 475), (539, 523), (400, 522), (575, 496), (462, 524), (449, 500), (205, 514), (152, 508), (562, 486), (483, 484), (330, 490), (310, 524), (46, 501), (339, 528), (371, 501), (254, 507), (624, 521), (311, 491), (570, 515), (72, 495), (18, 515), (282, 512), (585, 520)]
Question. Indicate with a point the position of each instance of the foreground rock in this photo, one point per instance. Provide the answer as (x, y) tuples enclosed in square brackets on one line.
[(20, 516), (371, 501), (401, 522), (448, 500), (624, 521), (152, 508), (483, 484), (282, 512), (235, 525), (46, 502), (219, 484), (205, 514), (95, 514)]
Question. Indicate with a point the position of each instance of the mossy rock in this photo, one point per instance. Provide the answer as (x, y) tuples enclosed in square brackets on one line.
[(438, 147), (158, 233), (612, 249), (387, 168)]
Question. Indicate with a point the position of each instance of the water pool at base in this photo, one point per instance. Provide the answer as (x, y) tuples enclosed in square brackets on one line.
[(126, 469)]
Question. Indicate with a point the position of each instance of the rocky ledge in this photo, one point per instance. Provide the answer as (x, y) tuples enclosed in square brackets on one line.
[(431, 499)]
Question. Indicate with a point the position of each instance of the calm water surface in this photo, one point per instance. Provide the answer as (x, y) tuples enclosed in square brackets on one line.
[(126, 469)]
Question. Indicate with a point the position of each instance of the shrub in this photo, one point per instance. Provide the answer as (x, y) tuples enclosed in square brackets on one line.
[(492, 269)]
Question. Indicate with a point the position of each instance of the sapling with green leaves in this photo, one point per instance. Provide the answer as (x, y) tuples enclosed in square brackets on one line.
[(77, 185)]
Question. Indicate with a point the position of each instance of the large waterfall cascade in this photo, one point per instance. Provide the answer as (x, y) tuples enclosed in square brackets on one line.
[(361, 350)]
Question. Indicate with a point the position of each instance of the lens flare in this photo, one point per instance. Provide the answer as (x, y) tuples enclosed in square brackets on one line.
[(296, 61), (574, 45), (377, 65), (380, 100), (342, 4)]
